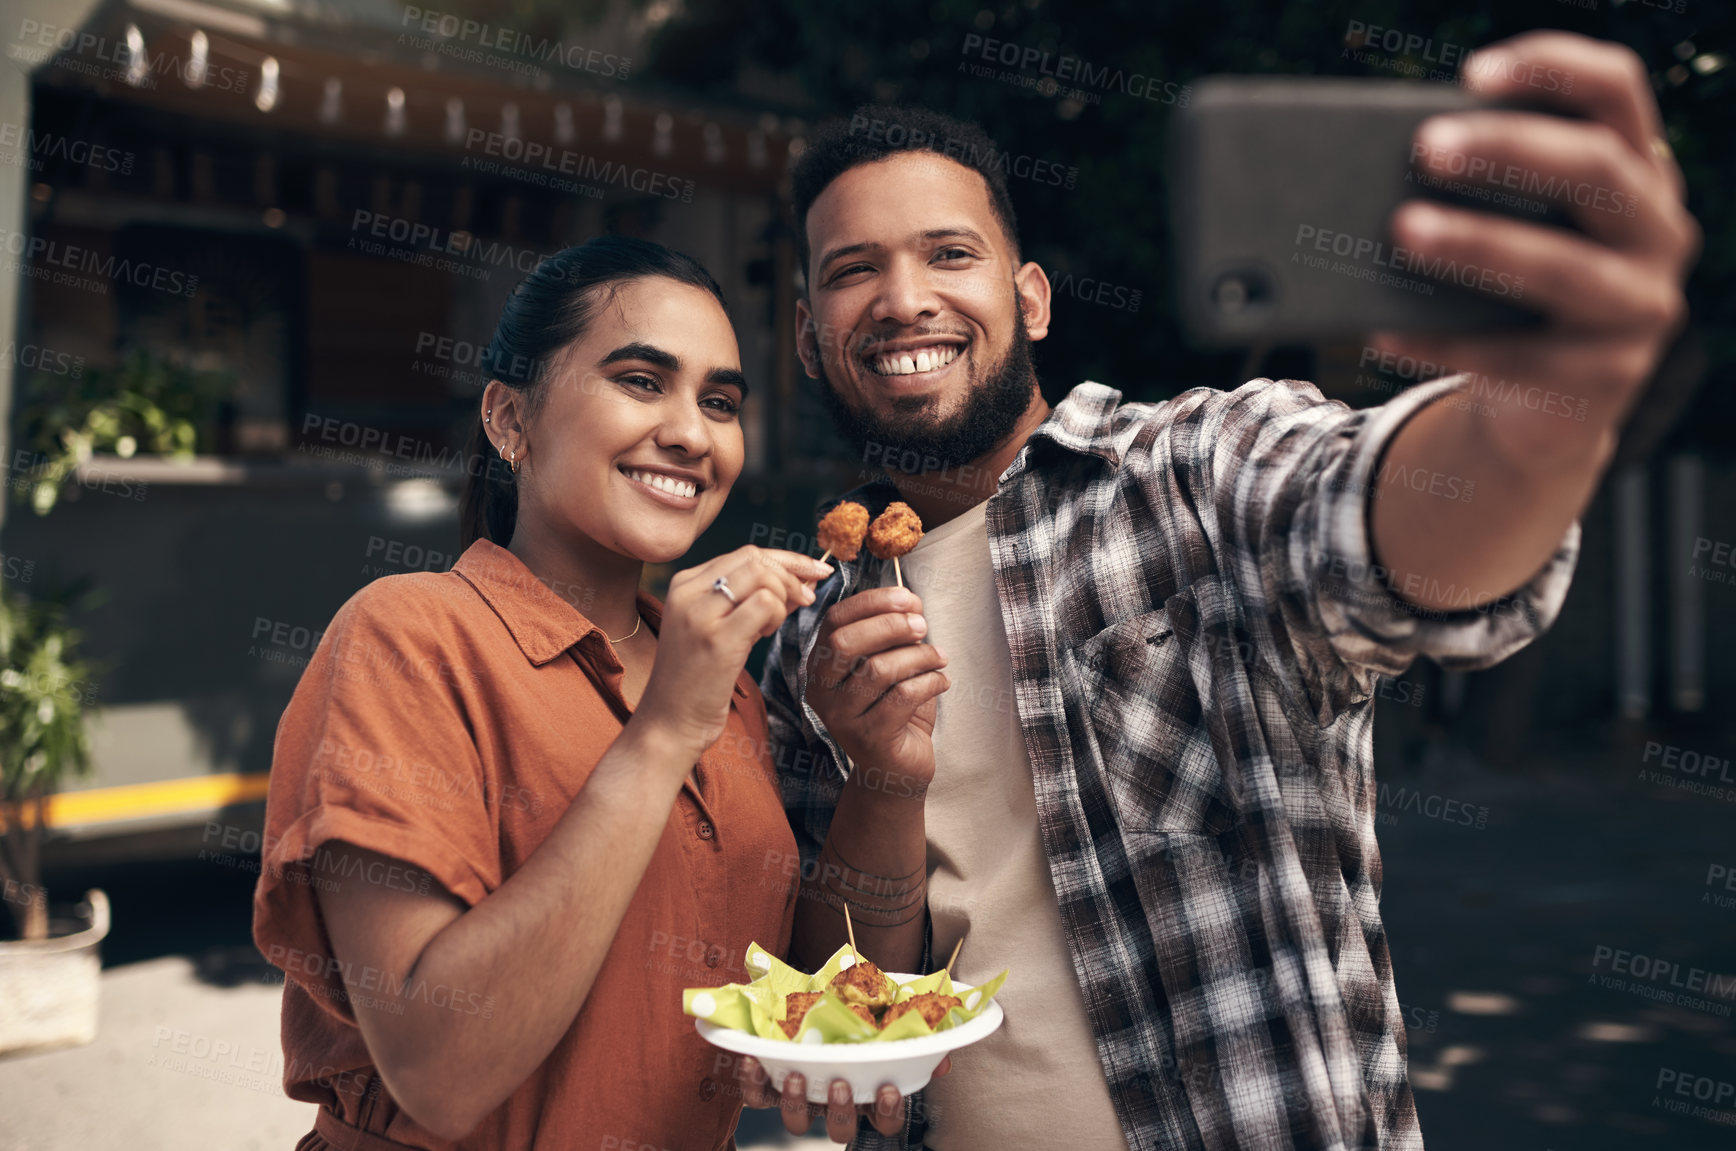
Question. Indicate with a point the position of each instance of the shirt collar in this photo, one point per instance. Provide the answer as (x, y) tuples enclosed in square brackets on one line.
[(544, 620), (1083, 422), (874, 495)]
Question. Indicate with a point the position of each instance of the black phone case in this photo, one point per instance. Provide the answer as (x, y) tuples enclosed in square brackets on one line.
[(1282, 193)]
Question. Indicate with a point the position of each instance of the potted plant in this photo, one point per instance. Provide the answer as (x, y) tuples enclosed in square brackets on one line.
[(49, 973), (148, 405), (50, 969)]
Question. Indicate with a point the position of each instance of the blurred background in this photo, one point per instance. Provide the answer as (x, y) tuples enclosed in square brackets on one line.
[(250, 251)]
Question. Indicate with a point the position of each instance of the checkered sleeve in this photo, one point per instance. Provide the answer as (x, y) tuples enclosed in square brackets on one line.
[(809, 789), (1296, 474), (1373, 627)]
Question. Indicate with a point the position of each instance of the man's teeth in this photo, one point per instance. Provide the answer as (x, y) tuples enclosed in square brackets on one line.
[(909, 363), (665, 483)]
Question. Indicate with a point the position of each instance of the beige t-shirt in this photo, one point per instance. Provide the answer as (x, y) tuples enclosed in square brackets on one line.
[(988, 881)]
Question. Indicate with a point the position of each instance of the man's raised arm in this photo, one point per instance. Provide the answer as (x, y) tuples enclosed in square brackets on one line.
[(873, 684), (1538, 414)]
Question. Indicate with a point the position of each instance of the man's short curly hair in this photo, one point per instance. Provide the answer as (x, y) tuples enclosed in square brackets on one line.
[(875, 132)]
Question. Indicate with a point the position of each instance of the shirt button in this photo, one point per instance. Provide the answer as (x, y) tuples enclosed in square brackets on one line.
[(706, 831), (707, 1089), (714, 957)]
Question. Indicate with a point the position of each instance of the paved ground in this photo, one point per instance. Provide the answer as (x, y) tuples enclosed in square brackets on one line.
[(177, 1064), (1536, 1025), (187, 1053), (1560, 966), (183, 1063)]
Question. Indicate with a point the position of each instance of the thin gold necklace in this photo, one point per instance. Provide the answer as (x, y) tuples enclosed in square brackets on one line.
[(630, 634)]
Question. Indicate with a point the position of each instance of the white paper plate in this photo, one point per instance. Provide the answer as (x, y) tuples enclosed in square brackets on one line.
[(907, 1064)]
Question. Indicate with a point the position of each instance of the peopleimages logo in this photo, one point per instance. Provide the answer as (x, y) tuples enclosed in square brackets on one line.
[(896, 135), (1432, 807), (1653, 978), (37, 358), (1714, 1095), (37, 41), (1413, 54), (529, 155), (1720, 875), (453, 30), (1361, 35), (1477, 176), (427, 245), (39, 146), (1062, 68), (60, 262), (451, 356), (395, 993), (1476, 385), (1364, 249)]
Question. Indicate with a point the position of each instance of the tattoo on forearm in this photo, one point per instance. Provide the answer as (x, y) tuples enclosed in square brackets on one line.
[(867, 915), (874, 900)]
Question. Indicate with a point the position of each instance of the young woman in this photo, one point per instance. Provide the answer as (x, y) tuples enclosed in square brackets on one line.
[(516, 807)]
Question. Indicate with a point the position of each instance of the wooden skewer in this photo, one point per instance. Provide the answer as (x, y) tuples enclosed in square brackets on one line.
[(824, 554), (851, 931), (897, 572), (949, 962)]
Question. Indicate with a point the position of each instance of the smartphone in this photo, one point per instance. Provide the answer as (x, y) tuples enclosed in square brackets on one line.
[(1282, 193)]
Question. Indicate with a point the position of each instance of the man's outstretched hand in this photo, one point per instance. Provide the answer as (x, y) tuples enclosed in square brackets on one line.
[(1613, 296), (1546, 404)]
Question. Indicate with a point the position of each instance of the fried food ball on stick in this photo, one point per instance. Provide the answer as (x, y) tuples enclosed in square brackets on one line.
[(931, 1005), (865, 984), (842, 529), (894, 532)]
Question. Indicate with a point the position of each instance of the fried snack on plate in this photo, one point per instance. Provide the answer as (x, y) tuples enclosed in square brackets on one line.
[(894, 531), (931, 1005), (865, 984), (842, 529), (796, 1005)]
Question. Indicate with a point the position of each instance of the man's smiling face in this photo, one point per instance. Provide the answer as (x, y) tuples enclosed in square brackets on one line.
[(913, 311)]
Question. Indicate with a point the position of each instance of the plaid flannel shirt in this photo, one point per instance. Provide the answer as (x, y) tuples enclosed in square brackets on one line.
[(1198, 632)]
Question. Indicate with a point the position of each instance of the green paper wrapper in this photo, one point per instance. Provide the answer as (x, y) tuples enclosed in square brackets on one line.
[(757, 1007)]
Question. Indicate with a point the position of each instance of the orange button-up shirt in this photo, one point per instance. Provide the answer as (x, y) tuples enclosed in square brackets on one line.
[(447, 721)]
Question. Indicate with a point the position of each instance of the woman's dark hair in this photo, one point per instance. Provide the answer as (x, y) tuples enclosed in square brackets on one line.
[(549, 310)]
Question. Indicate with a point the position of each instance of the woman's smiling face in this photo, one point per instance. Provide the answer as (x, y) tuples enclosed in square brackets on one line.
[(637, 440)]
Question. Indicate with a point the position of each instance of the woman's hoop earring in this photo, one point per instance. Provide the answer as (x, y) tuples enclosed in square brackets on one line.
[(512, 462)]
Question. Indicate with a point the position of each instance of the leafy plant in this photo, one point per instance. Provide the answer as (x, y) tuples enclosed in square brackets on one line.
[(43, 741), (146, 404)]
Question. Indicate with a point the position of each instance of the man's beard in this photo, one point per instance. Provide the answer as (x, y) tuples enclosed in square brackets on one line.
[(992, 409)]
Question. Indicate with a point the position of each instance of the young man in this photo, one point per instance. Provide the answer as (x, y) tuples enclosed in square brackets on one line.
[(1116, 736)]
